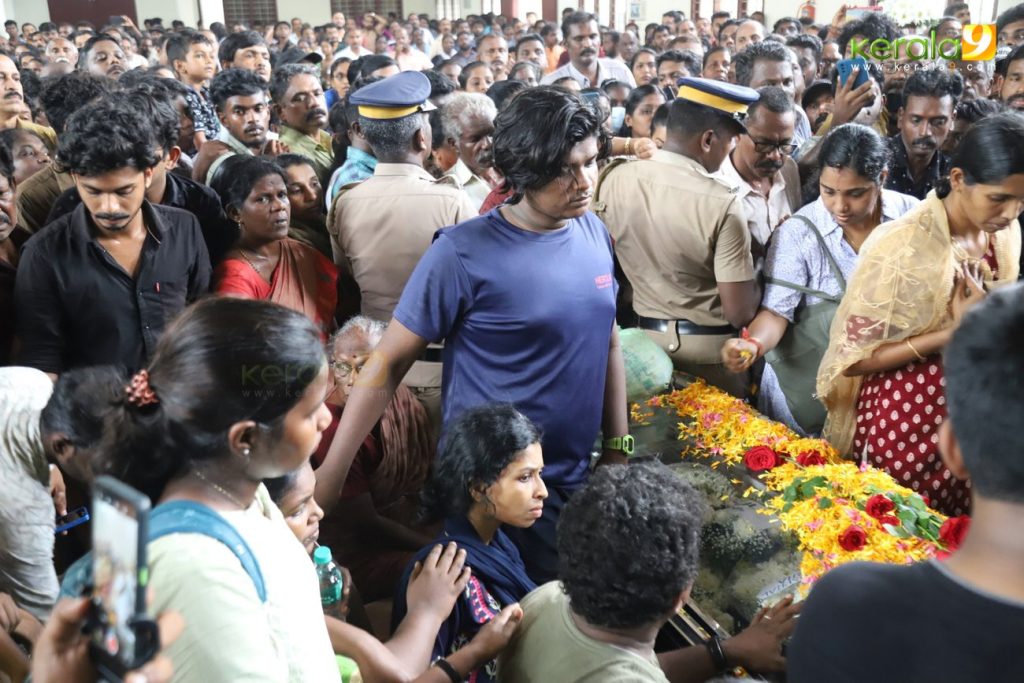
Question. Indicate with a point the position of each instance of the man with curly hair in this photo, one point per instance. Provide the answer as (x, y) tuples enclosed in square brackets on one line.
[(628, 546), (99, 285), (924, 121)]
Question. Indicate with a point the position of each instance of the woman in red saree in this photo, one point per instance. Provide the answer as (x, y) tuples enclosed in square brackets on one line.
[(881, 378), (265, 263)]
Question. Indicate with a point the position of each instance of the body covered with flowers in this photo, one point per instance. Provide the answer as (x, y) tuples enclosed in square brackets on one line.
[(838, 512)]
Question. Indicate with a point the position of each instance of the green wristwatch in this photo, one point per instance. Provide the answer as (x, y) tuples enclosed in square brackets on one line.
[(619, 443)]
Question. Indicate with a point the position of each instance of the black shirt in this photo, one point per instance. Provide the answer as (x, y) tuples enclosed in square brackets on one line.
[(75, 305), (181, 193), (900, 179), (879, 623)]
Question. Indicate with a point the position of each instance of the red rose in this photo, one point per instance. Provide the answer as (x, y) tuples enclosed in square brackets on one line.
[(879, 506), (760, 459), (891, 520), (953, 530), (854, 538), (808, 458)]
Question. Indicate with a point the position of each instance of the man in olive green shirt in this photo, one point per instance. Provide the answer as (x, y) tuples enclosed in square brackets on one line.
[(628, 548), (300, 104)]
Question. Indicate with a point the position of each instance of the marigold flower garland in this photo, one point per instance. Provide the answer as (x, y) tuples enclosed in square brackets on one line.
[(838, 511)]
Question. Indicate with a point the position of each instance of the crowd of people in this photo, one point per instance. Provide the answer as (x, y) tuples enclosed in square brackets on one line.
[(361, 285)]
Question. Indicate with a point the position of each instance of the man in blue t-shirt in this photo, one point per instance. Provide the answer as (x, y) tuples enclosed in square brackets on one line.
[(524, 299)]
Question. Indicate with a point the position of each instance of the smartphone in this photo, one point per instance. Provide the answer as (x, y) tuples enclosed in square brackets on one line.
[(115, 20), (845, 68), (122, 637), (71, 520), (858, 13), (618, 117)]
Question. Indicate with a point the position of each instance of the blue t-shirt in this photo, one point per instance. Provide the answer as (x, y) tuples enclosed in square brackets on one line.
[(526, 318)]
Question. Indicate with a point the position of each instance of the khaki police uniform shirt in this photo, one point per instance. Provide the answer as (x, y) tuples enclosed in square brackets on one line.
[(678, 232), (382, 226)]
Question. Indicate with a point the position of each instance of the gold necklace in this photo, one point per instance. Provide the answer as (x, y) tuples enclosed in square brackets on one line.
[(961, 254), (220, 489), (248, 260)]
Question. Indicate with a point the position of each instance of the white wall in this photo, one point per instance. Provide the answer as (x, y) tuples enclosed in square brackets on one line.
[(34, 11), (428, 7), (212, 11), (168, 10), (315, 12), (981, 10)]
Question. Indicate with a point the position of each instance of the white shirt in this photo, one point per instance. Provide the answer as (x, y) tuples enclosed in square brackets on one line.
[(413, 60), (474, 186), (354, 52), (764, 214), (607, 70)]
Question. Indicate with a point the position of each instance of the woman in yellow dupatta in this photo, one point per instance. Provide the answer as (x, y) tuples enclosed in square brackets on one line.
[(265, 263), (881, 378)]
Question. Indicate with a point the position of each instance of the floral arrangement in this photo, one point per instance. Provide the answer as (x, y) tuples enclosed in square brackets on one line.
[(907, 12), (839, 512)]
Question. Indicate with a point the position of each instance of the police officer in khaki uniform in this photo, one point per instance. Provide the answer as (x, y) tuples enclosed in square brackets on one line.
[(681, 236), (382, 226)]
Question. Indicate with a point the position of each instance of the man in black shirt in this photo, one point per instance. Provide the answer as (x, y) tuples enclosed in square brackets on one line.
[(957, 620), (924, 121), (98, 285), (152, 102)]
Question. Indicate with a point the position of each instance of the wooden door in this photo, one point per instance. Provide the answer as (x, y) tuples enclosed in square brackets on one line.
[(96, 11)]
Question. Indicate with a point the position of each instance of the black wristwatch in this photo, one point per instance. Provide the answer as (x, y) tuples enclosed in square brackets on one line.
[(714, 646)]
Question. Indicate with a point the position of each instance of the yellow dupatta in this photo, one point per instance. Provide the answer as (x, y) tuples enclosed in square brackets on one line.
[(901, 288)]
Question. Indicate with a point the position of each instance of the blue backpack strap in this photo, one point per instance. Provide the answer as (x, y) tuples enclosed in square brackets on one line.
[(188, 517)]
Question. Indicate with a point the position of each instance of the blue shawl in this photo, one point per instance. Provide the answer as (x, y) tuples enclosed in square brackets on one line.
[(499, 579)]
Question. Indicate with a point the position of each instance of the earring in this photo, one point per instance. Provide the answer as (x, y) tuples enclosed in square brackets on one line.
[(245, 453)]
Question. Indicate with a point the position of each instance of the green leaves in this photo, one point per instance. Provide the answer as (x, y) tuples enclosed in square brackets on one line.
[(802, 489)]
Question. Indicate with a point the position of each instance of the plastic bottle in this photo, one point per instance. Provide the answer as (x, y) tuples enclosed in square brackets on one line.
[(332, 583)]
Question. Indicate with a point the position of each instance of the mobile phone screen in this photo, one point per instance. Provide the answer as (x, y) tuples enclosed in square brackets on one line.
[(858, 13), (115, 568)]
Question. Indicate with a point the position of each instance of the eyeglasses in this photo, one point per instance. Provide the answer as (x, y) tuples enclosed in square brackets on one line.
[(767, 146), (342, 369)]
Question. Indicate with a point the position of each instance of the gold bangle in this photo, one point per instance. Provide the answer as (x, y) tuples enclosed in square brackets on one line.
[(629, 146), (915, 351)]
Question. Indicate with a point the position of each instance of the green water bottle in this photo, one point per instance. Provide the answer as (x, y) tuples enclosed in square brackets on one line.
[(332, 583)]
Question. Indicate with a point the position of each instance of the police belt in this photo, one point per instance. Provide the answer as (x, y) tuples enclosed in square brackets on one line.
[(432, 354), (683, 326)]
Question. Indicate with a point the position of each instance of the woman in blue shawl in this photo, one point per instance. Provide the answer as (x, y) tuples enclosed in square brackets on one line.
[(487, 475)]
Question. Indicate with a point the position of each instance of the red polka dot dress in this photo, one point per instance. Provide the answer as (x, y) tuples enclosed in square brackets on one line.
[(898, 416)]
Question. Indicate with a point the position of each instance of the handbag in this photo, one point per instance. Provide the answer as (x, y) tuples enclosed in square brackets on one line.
[(796, 358)]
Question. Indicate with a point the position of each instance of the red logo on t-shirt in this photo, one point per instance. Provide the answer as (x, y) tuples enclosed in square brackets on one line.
[(603, 281)]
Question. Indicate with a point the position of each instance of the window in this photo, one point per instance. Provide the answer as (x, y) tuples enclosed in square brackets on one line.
[(250, 12), (357, 8)]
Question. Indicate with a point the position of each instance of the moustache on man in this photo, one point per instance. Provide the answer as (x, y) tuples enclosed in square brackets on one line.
[(926, 142), (768, 167), (317, 113), (111, 217)]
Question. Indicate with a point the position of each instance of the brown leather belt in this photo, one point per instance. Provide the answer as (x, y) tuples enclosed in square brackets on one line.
[(683, 326)]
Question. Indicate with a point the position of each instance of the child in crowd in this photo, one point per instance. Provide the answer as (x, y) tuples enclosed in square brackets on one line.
[(194, 60)]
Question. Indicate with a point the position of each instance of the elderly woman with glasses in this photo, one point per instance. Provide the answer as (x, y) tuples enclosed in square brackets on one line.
[(371, 520)]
